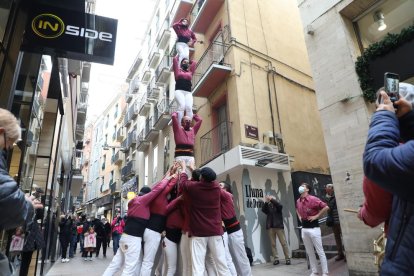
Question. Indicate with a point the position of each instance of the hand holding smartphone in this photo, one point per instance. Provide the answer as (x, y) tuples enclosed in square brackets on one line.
[(391, 86)]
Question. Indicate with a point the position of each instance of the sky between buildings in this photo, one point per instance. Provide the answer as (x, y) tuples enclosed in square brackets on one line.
[(107, 81)]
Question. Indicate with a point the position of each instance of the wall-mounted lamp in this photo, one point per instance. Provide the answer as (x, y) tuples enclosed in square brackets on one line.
[(379, 19)]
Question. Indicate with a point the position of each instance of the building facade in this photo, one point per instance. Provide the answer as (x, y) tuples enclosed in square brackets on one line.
[(337, 33), (253, 88), (103, 157)]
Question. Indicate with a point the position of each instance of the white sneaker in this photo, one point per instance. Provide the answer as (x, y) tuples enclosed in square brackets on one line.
[(63, 260), (314, 274), (67, 260), (85, 259)]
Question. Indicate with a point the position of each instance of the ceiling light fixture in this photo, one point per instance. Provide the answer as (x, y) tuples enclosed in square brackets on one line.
[(379, 19)]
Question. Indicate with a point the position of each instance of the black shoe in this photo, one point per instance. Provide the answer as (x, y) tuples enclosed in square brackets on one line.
[(288, 262), (276, 262)]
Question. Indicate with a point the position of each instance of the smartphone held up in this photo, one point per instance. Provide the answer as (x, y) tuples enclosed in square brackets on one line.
[(391, 86)]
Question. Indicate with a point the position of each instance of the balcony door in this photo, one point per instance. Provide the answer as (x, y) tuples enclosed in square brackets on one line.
[(222, 130)]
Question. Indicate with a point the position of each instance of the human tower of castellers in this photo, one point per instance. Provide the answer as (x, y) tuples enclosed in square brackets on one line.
[(188, 212)]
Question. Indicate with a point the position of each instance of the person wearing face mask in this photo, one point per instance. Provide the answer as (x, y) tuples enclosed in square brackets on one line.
[(17, 209), (185, 38), (309, 209), (183, 74), (184, 136)]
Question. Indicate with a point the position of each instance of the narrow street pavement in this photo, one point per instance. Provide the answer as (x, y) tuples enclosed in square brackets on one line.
[(77, 266)]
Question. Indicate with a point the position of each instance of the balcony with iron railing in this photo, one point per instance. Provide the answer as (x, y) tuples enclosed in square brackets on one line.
[(120, 134), (128, 169), (163, 71), (144, 106), (164, 36), (142, 142), (127, 119), (211, 71), (114, 136), (132, 139), (150, 131), (162, 114), (181, 9), (215, 142), (128, 97), (203, 13), (154, 59), (134, 110), (117, 158), (124, 144), (146, 76), (134, 85), (153, 90)]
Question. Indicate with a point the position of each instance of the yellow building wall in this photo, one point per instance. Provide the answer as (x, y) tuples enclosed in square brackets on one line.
[(268, 37)]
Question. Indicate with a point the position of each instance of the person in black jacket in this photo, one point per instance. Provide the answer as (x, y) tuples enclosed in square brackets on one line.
[(100, 236), (17, 209), (274, 225), (65, 234), (108, 231)]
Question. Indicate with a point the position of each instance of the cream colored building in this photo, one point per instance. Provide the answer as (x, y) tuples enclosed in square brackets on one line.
[(336, 34), (254, 90), (103, 159)]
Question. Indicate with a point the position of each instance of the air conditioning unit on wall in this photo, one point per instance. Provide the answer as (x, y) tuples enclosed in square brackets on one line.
[(263, 146)]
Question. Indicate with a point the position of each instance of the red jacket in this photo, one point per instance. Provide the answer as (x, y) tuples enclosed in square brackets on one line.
[(175, 218), (119, 227), (205, 215), (377, 205)]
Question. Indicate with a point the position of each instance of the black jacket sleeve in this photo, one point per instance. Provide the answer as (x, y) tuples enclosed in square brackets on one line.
[(16, 210), (265, 208), (278, 206)]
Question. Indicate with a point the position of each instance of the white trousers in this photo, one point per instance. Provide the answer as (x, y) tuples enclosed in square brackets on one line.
[(186, 254), (188, 160), (171, 256), (238, 252), (312, 238), (199, 247), (151, 244), (128, 254), (229, 259), (210, 265), (183, 51), (185, 103)]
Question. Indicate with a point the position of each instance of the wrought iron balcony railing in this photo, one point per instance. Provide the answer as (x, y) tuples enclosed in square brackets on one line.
[(214, 54), (215, 142)]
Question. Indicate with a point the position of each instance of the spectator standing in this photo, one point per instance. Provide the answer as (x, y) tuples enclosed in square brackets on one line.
[(65, 235), (79, 228), (118, 225), (99, 228), (74, 237), (90, 243), (275, 228), (34, 239), (309, 209), (391, 165), (333, 220), (108, 231)]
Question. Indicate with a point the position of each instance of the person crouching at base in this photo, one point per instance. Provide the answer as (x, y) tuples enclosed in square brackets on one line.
[(130, 243)]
